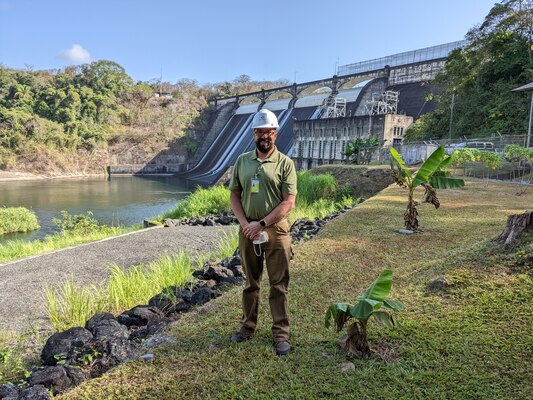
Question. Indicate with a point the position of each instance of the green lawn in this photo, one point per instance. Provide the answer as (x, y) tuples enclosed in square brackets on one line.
[(472, 341)]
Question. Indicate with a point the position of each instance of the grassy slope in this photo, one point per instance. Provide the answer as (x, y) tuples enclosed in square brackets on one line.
[(470, 341)]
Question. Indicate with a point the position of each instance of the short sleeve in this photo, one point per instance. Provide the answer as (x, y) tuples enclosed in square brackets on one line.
[(235, 183), (289, 183)]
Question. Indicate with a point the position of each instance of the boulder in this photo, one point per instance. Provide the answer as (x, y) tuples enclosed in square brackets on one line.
[(164, 301), (202, 296), (140, 315), (215, 272), (437, 285), (8, 390), (180, 307), (64, 344), (118, 350), (109, 328), (58, 378), (96, 318), (37, 392)]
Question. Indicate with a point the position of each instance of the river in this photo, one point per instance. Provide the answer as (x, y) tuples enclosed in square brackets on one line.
[(119, 200)]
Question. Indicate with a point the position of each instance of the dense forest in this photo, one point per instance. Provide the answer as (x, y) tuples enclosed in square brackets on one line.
[(70, 120), (479, 79)]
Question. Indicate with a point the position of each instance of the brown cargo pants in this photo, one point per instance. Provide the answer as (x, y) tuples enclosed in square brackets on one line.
[(276, 254)]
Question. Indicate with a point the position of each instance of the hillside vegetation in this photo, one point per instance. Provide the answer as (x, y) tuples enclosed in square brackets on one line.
[(70, 120), (479, 79), (470, 340)]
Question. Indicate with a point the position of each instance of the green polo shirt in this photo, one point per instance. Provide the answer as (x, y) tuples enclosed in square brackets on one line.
[(276, 175)]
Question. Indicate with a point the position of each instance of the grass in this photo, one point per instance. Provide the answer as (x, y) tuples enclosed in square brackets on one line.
[(318, 196), (17, 219), (18, 249), (471, 341), (69, 305)]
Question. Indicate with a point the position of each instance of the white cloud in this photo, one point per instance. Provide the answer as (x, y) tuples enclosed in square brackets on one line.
[(76, 54)]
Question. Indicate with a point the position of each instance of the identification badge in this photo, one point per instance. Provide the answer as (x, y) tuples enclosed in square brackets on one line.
[(255, 185)]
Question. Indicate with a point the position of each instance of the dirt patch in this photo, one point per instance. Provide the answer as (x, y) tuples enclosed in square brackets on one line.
[(365, 180)]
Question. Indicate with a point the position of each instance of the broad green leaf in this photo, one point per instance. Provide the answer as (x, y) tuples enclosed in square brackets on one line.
[(399, 161), (380, 288), (361, 310), (334, 311), (393, 304), (374, 303), (429, 167), (445, 163), (384, 318), (445, 182)]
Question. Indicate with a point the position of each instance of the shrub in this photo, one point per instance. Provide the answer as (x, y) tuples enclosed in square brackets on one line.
[(17, 219)]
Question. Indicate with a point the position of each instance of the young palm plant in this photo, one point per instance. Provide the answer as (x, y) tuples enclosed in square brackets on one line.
[(374, 302), (431, 176)]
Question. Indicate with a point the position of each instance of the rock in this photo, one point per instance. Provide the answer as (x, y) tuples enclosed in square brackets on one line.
[(232, 261), (119, 350), (147, 357), (109, 328), (226, 219), (140, 316), (215, 272), (406, 231), (202, 296), (63, 344), (163, 301), (210, 283), (96, 318), (180, 307), (347, 367), (148, 224), (157, 341), (186, 295), (170, 223), (58, 378), (37, 392), (237, 270), (437, 285), (209, 222), (8, 390)]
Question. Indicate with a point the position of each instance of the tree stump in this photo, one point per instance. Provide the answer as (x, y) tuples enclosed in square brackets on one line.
[(516, 225)]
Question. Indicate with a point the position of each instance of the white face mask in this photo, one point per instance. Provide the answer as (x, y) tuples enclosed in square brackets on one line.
[(263, 238)]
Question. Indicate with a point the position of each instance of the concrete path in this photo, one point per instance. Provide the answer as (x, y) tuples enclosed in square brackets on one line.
[(22, 282)]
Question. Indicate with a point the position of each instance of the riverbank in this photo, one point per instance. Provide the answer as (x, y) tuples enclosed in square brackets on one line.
[(469, 339), (28, 176)]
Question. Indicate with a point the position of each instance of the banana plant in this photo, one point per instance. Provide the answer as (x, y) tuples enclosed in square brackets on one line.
[(430, 176), (373, 302)]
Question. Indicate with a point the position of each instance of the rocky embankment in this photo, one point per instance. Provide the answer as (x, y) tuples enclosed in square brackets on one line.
[(80, 353)]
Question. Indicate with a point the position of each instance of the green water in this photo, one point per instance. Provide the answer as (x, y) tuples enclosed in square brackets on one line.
[(121, 200)]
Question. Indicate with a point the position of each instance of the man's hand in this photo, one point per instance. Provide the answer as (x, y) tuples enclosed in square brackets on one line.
[(252, 230)]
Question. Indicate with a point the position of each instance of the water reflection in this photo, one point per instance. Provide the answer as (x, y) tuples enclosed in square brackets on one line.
[(120, 200)]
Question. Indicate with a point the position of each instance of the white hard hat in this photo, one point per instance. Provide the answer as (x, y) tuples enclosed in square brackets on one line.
[(265, 119)]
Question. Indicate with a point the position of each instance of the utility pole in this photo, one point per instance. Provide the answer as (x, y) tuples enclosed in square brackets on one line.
[(451, 117)]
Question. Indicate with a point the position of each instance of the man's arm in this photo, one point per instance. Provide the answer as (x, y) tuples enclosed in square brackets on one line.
[(252, 229)]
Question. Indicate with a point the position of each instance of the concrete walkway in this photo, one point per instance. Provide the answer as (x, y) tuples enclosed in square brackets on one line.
[(22, 282)]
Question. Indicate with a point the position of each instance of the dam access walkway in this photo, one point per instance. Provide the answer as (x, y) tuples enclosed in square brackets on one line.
[(23, 282)]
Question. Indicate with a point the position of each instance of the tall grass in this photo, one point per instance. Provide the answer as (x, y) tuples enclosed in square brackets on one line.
[(213, 200), (318, 196), (17, 219), (18, 249), (70, 306)]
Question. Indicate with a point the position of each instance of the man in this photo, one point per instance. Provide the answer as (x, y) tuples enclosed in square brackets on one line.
[(263, 191)]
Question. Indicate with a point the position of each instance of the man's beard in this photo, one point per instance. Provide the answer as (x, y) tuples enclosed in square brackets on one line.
[(263, 145)]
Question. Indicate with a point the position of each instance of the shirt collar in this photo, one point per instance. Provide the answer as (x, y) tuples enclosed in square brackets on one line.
[(274, 157)]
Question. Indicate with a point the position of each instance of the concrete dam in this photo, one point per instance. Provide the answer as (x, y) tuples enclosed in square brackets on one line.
[(378, 97)]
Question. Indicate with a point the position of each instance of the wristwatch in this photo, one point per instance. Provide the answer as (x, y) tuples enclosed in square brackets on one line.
[(262, 223)]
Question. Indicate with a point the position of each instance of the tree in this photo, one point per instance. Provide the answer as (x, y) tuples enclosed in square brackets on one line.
[(431, 176), (374, 302), (360, 151), (480, 78)]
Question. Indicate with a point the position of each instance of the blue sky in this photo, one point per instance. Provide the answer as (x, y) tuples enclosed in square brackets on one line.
[(215, 41)]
